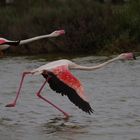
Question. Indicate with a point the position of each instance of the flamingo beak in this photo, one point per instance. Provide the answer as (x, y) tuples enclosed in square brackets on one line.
[(61, 32), (130, 56)]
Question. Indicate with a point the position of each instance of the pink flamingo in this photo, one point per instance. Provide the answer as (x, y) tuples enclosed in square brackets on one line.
[(5, 44), (61, 80)]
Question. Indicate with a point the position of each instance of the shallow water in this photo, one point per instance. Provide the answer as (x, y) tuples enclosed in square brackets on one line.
[(113, 91)]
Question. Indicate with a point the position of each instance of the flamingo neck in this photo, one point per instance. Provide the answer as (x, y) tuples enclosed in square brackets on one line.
[(34, 39), (78, 67)]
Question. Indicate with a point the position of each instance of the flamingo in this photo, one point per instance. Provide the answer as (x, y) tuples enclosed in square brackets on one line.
[(5, 44), (57, 74)]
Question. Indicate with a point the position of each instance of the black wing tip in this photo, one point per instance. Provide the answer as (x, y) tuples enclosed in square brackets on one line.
[(16, 43), (13, 43), (84, 106), (90, 111)]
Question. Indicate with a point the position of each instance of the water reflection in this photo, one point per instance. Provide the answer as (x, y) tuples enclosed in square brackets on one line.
[(58, 127)]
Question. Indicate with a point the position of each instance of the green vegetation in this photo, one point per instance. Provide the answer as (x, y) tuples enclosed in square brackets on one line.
[(91, 26)]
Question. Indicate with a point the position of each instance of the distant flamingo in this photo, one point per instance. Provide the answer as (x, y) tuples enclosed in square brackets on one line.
[(61, 80), (5, 44)]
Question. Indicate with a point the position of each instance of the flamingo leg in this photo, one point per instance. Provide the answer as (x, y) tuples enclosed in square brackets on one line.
[(46, 100), (19, 89)]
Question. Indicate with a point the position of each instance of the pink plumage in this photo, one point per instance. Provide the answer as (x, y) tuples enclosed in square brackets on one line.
[(68, 78), (2, 41)]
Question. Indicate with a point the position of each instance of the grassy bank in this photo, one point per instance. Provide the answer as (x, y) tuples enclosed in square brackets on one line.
[(91, 27)]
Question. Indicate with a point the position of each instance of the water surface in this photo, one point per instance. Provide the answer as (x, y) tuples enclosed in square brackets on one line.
[(113, 91)]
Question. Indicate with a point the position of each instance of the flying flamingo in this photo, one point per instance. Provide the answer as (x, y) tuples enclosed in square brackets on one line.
[(61, 80), (5, 44)]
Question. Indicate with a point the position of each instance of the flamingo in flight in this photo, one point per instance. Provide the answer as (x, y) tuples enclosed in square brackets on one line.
[(57, 74), (5, 44)]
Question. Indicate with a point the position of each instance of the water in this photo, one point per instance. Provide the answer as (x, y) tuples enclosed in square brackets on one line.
[(114, 93)]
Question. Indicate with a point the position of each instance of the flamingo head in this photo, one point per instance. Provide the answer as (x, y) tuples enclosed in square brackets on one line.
[(58, 33), (127, 56)]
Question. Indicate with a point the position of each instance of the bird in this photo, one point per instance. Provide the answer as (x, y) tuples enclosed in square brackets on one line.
[(5, 44), (60, 79)]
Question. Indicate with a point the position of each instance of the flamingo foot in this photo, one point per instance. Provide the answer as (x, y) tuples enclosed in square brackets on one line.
[(10, 105), (66, 116)]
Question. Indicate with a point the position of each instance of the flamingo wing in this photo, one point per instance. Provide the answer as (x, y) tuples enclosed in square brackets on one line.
[(13, 43), (2, 42), (63, 82)]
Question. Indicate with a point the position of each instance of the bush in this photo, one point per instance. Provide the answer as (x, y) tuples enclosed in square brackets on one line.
[(91, 27)]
